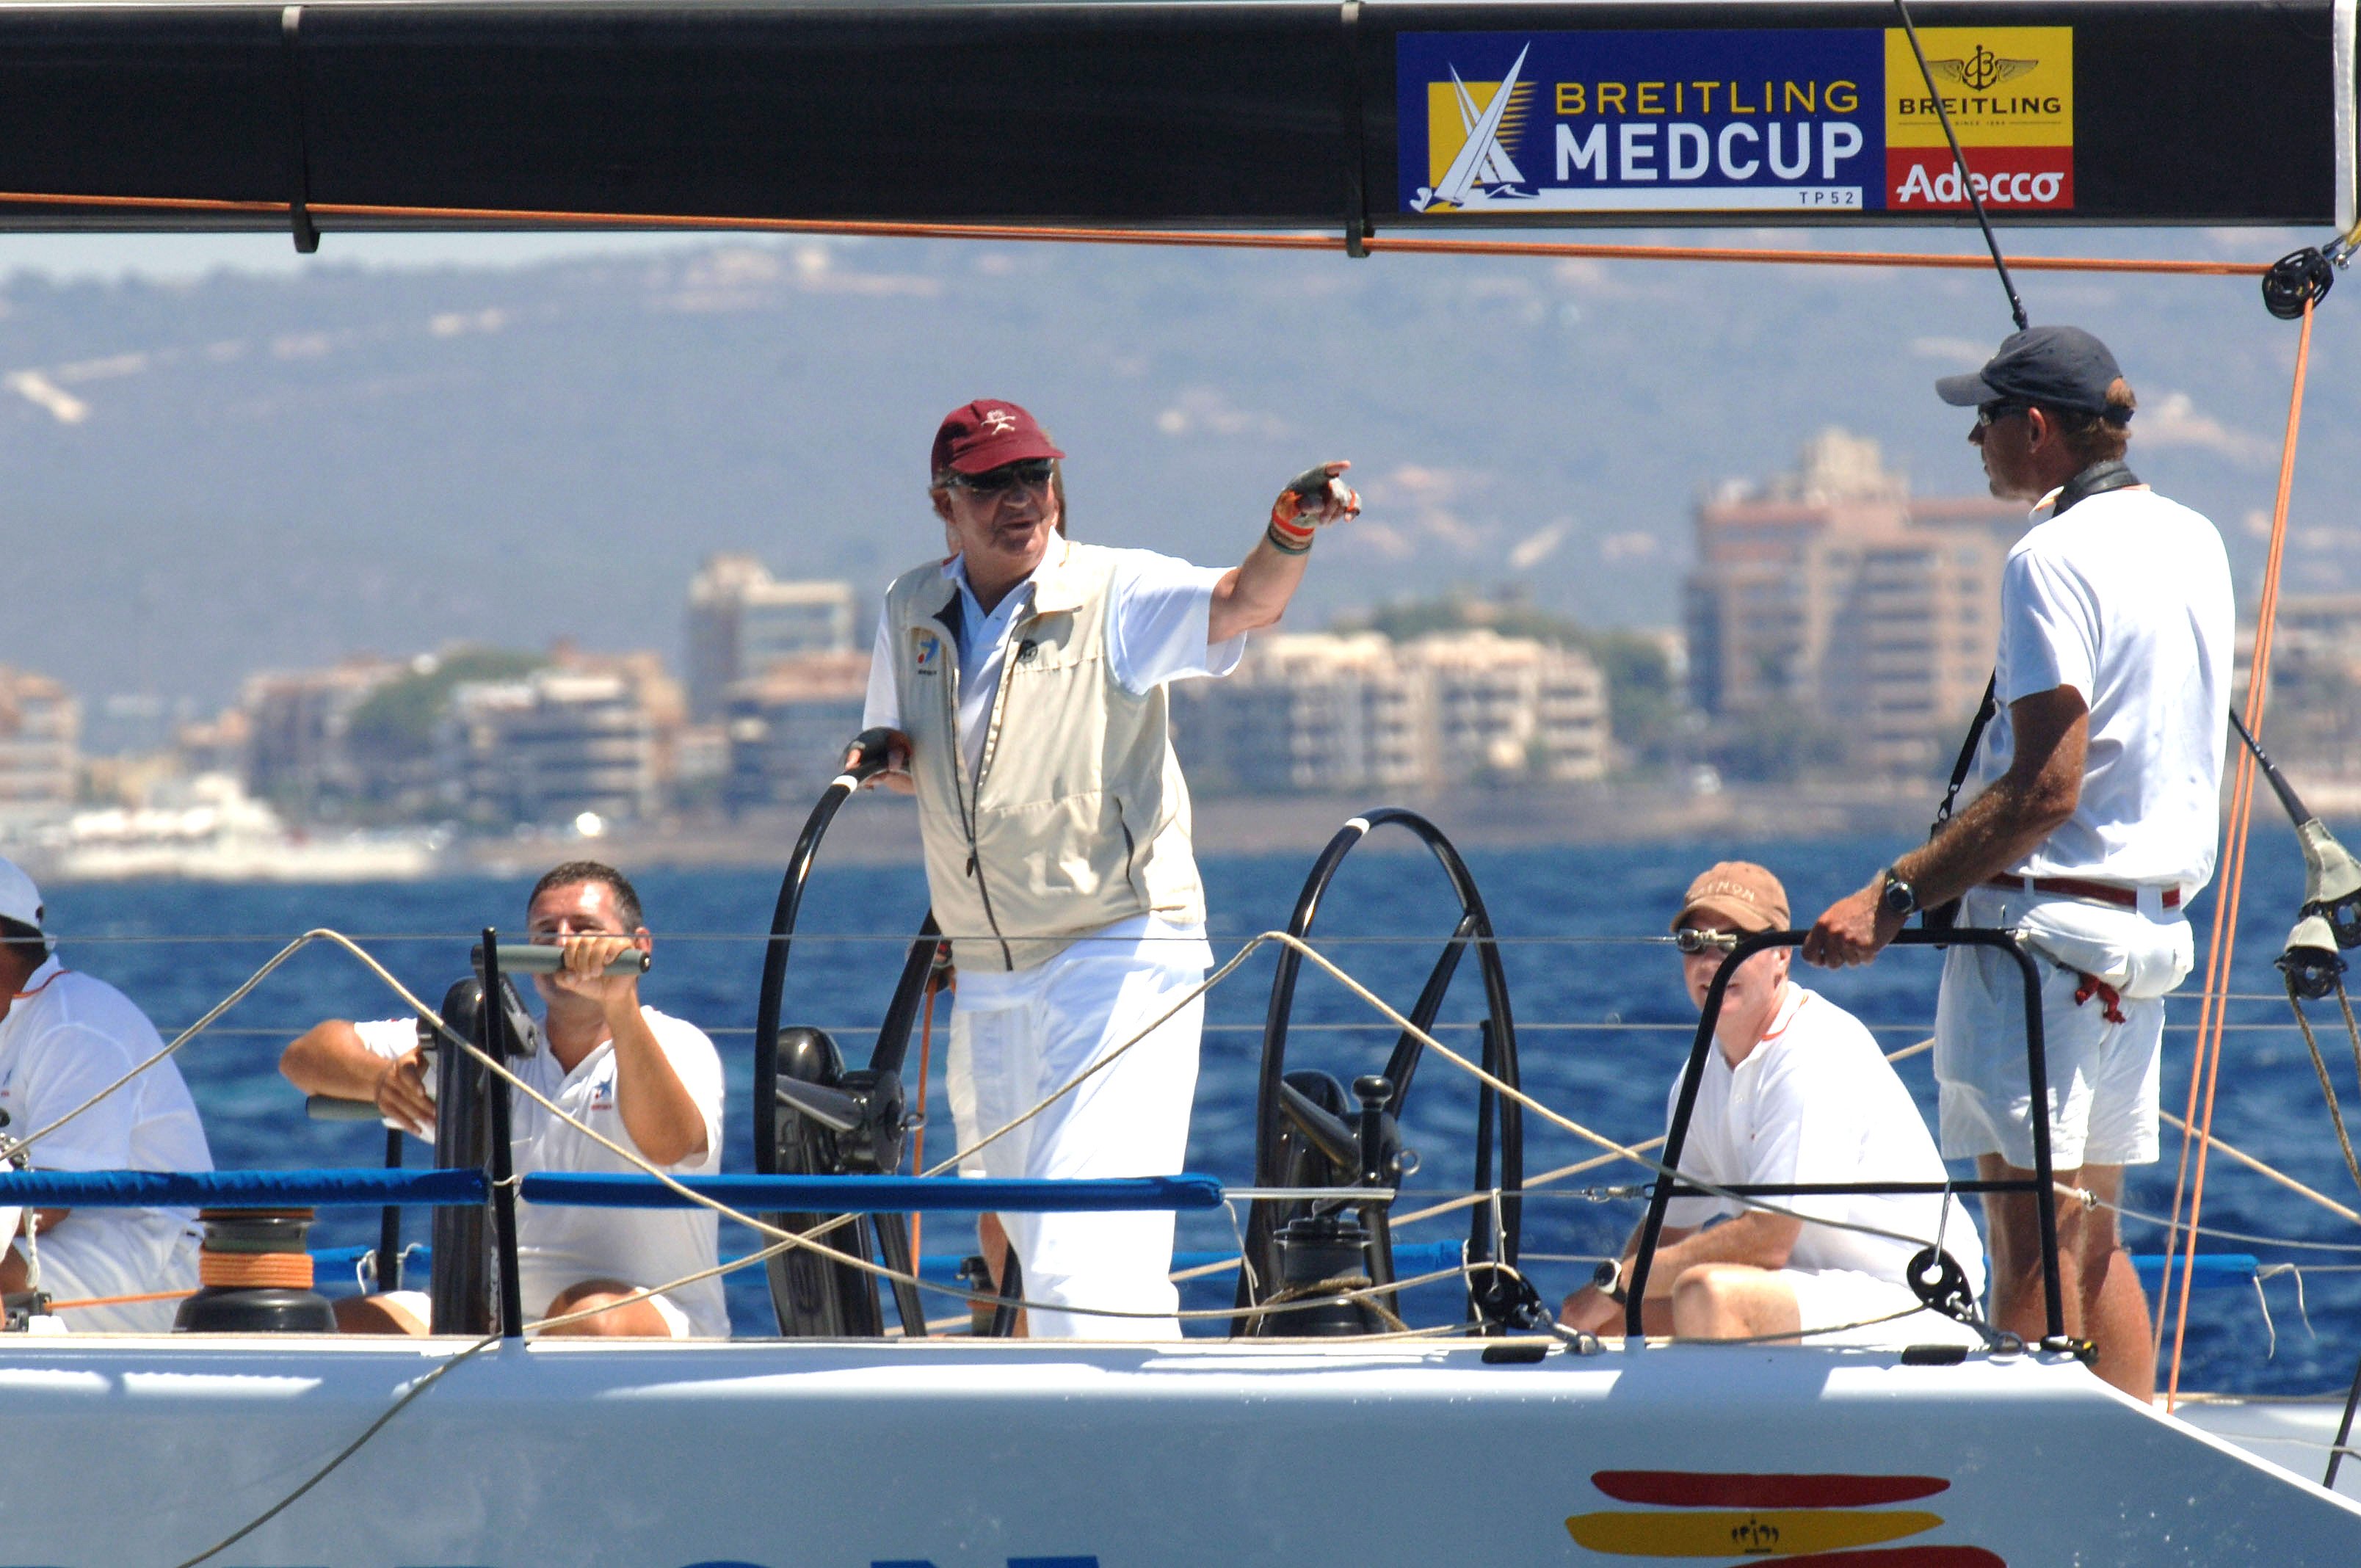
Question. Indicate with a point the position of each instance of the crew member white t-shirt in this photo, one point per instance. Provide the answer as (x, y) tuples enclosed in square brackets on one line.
[(2127, 599), (560, 1245), (67, 1036), (1158, 628), (1817, 1101)]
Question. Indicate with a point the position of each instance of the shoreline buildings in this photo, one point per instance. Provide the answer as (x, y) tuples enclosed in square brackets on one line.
[(1831, 599)]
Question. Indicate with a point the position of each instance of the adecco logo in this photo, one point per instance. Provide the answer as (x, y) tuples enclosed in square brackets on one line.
[(2037, 183)]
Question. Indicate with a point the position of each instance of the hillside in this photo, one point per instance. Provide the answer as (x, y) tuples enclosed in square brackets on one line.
[(244, 471)]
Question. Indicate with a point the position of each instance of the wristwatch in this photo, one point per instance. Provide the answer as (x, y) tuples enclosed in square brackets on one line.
[(1899, 896), (1607, 1279)]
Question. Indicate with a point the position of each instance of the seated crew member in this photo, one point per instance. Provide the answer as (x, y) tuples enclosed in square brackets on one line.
[(63, 1038), (649, 1081), (1023, 681), (1796, 1092)]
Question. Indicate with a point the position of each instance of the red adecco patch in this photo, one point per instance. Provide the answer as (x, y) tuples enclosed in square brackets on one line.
[(2009, 179)]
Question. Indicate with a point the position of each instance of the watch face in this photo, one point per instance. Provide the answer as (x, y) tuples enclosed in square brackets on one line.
[(1898, 897)]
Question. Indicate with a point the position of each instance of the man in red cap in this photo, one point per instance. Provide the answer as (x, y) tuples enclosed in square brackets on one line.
[(1019, 690)]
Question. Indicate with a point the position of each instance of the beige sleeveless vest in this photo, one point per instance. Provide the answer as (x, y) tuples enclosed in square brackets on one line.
[(1079, 816)]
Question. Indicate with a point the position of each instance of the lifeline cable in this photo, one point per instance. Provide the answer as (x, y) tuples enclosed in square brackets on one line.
[(784, 1240), (1960, 162)]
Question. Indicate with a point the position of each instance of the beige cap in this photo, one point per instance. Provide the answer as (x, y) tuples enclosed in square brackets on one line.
[(1741, 892)]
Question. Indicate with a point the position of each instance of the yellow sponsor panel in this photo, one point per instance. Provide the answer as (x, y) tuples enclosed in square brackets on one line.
[(1446, 125), (1752, 1532), (2003, 86)]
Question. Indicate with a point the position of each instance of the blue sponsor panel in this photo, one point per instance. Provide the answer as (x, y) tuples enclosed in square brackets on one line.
[(1761, 120)]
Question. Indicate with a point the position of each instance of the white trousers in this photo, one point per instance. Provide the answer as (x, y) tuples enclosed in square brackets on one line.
[(1034, 1032)]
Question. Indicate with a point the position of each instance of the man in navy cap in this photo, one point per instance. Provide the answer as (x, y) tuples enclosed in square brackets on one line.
[(2099, 760), (1019, 689)]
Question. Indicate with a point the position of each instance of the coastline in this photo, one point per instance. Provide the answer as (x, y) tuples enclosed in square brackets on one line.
[(877, 830)]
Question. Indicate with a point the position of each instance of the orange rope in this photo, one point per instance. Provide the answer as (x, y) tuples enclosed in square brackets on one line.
[(1186, 238), (242, 1270), (121, 1300), (2226, 920)]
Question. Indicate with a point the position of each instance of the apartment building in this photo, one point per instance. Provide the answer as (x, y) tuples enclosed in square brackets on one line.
[(41, 727), (1329, 712), (1833, 593), (2314, 717), (549, 749), (787, 727), (299, 728), (742, 620)]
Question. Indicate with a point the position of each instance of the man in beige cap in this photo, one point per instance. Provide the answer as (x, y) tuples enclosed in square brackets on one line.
[(1797, 1093)]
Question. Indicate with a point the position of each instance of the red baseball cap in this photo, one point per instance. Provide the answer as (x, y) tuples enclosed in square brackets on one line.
[(986, 434)]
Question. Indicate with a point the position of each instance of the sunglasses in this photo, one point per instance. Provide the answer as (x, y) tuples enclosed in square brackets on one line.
[(1992, 413), (1689, 940), (1032, 473)]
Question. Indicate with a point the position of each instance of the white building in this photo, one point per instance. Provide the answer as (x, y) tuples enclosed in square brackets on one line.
[(742, 620), (40, 729), (788, 727), (298, 751), (1340, 712), (550, 748)]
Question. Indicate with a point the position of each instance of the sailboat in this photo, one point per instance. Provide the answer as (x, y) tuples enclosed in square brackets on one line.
[(1314, 1431)]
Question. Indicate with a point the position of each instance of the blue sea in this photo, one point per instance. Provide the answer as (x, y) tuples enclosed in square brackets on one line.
[(1602, 1023)]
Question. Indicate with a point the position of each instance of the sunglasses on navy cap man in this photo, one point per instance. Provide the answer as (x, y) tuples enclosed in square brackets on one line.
[(1992, 413), (1031, 472)]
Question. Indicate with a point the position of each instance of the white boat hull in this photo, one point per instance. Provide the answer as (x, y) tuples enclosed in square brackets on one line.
[(958, 1454)]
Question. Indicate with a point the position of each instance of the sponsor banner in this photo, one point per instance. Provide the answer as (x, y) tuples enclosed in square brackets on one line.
[(2009, 179), (1809, 121), (2003, 86), (1634, 121)]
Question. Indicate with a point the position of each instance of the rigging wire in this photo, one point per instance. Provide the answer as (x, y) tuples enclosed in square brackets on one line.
[(2225, 933), (1960, 162), (2319, 1065)]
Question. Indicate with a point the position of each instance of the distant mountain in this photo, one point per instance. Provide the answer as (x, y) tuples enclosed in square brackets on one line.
[(245, 472)]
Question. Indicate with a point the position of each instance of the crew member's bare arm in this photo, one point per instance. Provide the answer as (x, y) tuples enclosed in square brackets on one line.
[(656, 1107), (329, 1059), (1999, 827), (1254, 593)]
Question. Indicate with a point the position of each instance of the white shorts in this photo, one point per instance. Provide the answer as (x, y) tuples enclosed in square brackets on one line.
[(1832, 1298), (79, 1264), (420, 1306), (2102, 1099)]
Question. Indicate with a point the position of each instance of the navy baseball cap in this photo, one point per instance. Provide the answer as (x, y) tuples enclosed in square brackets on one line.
[(2056, 367)]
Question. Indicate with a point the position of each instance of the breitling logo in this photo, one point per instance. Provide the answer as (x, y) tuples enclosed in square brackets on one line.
[(1983, 70)]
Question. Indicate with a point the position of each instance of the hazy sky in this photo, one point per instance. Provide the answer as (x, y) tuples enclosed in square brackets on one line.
[(165, 256)]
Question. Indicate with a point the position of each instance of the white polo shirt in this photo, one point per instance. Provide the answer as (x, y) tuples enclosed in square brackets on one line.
[(68, 1035), (2127, 599), (558, 1245), (1817, 1101)]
